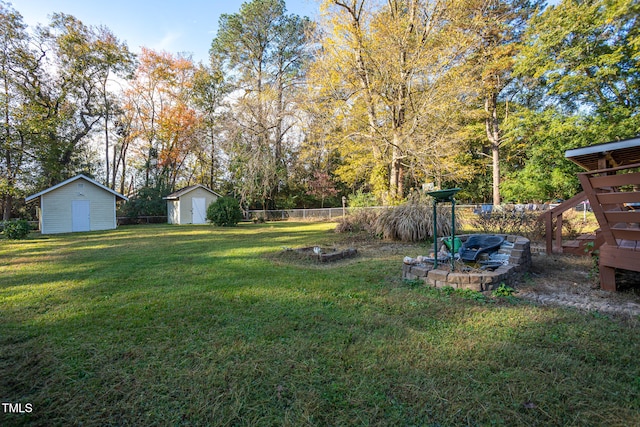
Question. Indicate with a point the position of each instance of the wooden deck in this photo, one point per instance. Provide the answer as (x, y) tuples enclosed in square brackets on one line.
[(614, 194)]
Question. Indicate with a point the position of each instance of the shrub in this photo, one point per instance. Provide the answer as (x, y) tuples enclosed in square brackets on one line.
[(510, 222), (225, 212), (409, 222), (503, 291), (16, 230)]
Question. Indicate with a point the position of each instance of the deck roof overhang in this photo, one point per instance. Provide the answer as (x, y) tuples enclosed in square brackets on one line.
[(609, 154)]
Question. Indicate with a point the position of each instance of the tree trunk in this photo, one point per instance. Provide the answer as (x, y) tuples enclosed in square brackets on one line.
[(395, 185), (106, 134), (8, 205), (495, 156), (212, 164), (492, 126)]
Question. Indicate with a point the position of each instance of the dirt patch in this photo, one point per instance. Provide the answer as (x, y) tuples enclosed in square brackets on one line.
[(571, 281), (564, 280)]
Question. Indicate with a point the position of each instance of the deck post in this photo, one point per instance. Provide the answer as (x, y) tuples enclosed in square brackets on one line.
[(548, 231), (559, 232)]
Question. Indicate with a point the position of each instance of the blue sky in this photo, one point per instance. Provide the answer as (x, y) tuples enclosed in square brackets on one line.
[(172, 26)]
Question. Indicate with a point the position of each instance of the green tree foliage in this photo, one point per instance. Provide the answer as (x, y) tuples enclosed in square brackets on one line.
[(224, 212), (360, 199), (534, 150), (579, 81), (15, 60), (116, 61), (209, 92), (148, 201), (585, 57), (66, 93), (497, 27)]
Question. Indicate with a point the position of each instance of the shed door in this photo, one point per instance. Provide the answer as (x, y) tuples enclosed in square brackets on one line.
[(199, 210), (80, 217)]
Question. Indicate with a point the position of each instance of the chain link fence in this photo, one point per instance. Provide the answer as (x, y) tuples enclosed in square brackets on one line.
[(337, 213)]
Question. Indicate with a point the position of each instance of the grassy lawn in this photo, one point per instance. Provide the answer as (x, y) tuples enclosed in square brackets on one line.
[(195, 325)]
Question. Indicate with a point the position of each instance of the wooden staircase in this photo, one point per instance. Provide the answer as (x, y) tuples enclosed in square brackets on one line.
[(553, 230), (614, 194)]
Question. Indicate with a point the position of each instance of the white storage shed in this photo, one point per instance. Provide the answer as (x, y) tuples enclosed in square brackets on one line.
[(77, 204), (189, 205)]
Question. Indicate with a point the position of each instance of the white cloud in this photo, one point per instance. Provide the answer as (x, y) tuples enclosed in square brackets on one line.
[(167, 42)]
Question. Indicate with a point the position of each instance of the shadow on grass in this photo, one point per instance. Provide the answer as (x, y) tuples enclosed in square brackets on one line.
[(189, 328)]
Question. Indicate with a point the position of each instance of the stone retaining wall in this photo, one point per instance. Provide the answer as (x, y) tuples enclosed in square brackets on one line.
[(478, 280)]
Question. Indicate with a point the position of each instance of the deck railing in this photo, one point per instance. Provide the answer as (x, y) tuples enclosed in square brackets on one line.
[(553, 222)]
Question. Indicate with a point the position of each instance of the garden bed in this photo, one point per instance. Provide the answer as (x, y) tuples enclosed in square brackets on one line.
[(321, 254)]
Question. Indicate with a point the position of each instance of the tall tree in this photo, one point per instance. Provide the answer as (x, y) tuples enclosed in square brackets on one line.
[(262, 49), (15, 61), (66, 92), (497, 27), (117, 62), (579, 79), (209, 92)]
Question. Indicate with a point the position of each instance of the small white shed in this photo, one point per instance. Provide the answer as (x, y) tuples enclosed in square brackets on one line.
[(77, 204), (189, 205)]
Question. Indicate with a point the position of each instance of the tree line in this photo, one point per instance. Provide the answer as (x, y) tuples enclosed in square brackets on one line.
[(371, 101)]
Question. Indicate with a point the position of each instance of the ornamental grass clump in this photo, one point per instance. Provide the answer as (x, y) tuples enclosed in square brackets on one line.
[(357, 221), (413, 221)]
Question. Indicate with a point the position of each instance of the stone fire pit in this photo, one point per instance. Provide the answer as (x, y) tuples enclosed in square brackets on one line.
[(515, 251)]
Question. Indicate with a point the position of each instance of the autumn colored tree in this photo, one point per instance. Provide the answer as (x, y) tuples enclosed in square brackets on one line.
[(162, 116), (392, 71), (321, 186)]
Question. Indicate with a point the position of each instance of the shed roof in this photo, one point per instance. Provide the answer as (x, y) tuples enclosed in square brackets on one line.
[(70, 180), (617, 153), (177, 194)]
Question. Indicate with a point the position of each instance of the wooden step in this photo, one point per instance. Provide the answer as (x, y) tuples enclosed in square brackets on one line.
[(579, 245), (590, 237)]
